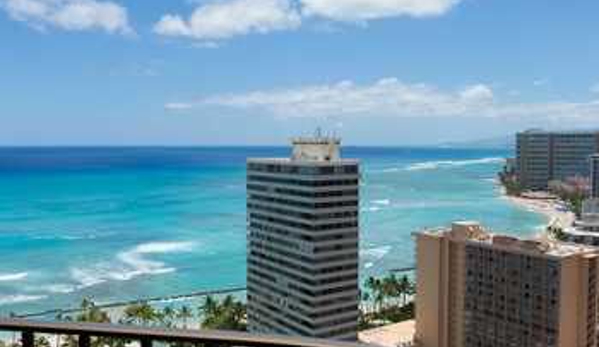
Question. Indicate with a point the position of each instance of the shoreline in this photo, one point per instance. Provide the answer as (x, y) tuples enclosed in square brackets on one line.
[(552, 209)]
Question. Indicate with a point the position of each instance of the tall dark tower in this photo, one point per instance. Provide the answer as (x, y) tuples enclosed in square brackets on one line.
[(595, 176), (302, 268)]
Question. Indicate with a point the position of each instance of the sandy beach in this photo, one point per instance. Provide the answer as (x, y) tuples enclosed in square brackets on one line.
[(552, 208), (392, 335)]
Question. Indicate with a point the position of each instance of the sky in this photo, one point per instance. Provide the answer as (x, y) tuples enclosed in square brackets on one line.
[(256, 72)]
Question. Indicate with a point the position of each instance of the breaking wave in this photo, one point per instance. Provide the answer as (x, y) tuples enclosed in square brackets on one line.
[(19, 298), (13, 276), (131, 263), (433, 165), (375, 253), (59, 288)]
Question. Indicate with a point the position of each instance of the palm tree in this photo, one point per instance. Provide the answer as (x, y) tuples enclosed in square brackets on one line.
[(411, 289), (371, 283), (41, 341), (184, 314), (208, 307), (374, 285), (365, 298), (140, 314), (92, 313), (167, 315), (390, 287), (406, 288), (89, 312), (229, 314)]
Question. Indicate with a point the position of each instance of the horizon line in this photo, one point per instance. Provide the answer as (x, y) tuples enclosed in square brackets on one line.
[(439, 146)]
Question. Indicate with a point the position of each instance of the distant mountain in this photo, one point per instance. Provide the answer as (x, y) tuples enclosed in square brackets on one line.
[(504, 142)]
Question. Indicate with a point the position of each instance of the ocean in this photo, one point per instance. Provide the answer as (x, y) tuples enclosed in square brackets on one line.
[(118, 224)]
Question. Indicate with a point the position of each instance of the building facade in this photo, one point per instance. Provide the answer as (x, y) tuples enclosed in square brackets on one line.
[(545, 156), (479, 289), (586, 228), (302, 269), (595, 176)]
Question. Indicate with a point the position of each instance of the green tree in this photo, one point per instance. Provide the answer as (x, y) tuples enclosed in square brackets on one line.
[(142, 314), (41, 341), (91, 313), (167, 317), (557, 233), (390, 289), (375, 286), (406, 289), (184, 314), (229, 314), (392, 300)]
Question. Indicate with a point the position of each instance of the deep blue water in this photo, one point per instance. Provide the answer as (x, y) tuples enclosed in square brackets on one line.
[(123, 223)]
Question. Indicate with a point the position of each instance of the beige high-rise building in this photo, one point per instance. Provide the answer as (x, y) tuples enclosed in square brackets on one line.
[(475, 288), (303, 242)]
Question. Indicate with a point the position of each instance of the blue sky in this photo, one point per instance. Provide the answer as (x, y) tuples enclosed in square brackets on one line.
[(378, 72)]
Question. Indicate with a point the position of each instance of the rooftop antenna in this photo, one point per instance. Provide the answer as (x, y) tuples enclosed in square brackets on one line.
[(318, 132)]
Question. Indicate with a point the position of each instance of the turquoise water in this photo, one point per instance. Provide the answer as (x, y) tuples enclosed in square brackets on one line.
[(123, 223)]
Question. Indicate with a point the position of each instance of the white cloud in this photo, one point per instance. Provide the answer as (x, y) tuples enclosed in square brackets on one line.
[(540, 82), (361, 10), (477, 93), (225, 19), (385, 97), (390, 97), (73, 15), (178, 106)]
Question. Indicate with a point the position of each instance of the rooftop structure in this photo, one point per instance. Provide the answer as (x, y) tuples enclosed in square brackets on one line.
[(316, 148), (477, 288), (472, 232), (311, 151)]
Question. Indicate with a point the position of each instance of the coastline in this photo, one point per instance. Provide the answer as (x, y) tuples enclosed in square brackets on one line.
[(552, 209)]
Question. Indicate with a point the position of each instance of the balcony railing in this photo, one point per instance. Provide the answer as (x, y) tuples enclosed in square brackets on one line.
[(147, 336)]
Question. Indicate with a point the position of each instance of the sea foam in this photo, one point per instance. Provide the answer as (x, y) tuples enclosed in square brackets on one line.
[(131, 263), (375, 253), (59, 288), (13, 277), (432, 165), (19, 298)]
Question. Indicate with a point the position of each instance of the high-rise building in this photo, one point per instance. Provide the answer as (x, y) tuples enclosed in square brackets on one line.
[(595, 176), (302, 273), (586, 227), (544, 156), (475, 289)]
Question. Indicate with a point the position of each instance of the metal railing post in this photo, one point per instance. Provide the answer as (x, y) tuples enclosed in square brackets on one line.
[(27, 338), (84, 340), (146, 342)]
